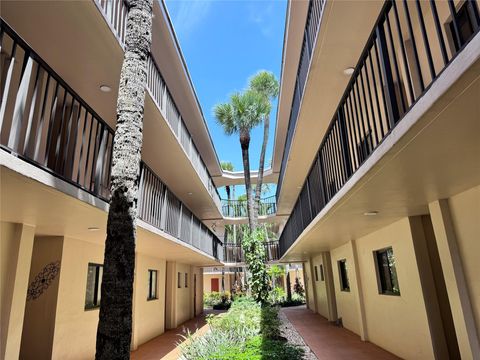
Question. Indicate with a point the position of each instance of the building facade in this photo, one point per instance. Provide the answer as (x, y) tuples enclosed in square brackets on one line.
[(380, 173), (376, 158)]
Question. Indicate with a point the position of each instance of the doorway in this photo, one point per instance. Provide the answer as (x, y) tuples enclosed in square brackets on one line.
[(214, 285)]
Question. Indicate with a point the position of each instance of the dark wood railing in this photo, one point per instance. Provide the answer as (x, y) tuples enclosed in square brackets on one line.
[(233, 253), (46, 123), (239, 208), (400, 61)]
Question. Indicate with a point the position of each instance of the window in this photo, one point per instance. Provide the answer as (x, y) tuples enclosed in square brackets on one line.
[(466, 23), (316, 274), (186, 280), (152, 285), (386, 273), (343, 275), (322, 277), (94, 283), (179, 280)]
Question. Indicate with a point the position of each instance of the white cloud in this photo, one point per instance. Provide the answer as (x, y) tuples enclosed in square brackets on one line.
[(187, 15), (261, 15)]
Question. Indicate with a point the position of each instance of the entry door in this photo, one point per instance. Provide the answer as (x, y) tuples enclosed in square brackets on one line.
[(194, 294), (214, 284)]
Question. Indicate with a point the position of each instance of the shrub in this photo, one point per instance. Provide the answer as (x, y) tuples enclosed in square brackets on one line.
[(247, 331), (276, 296), (298, 287), (214, 299)]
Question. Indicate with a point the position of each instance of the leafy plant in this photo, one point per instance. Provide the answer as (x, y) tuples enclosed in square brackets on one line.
[(276, 296), (298, 287), (248, 331), (254, 252)]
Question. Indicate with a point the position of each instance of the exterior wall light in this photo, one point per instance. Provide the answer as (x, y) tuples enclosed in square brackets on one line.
[(105, 88)]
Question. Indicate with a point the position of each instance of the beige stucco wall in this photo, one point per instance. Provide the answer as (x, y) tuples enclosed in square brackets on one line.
[(16, 246), (148, 315), (40, 313), (207, 282), (75, 328), (465, 213), (397, 323), (347, 301)]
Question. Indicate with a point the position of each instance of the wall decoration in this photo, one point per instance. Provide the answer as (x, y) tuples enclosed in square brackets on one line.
[(43, 280)]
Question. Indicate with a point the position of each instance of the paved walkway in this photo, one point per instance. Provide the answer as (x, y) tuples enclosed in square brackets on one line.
[(164, 347), (328, 341)]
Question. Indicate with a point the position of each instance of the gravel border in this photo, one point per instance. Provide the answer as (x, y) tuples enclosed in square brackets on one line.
[(293, 337)]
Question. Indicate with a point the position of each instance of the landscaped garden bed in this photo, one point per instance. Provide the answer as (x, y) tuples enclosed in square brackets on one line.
[(248, 331)]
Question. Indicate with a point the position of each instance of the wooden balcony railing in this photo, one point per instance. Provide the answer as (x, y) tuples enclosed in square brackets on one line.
[(233, 253), (239, 208), (46, 123)]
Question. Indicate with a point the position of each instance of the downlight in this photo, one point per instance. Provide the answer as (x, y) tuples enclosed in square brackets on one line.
[(370, 213)]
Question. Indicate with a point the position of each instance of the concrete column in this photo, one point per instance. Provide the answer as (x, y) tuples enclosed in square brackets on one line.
[(171, 296), (312, 284), (360, 302), (427, 282), (16, 256), (330, 287), (467, 334)]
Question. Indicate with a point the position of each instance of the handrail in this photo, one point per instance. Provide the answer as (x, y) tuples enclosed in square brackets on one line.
[(239, 208), (388, 80), (233, 253), (45, 122)]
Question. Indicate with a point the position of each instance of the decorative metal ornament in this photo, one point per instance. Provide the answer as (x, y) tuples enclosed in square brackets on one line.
[(43, 280)]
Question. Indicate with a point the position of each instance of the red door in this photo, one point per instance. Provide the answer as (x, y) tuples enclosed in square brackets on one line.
[(214, 284)]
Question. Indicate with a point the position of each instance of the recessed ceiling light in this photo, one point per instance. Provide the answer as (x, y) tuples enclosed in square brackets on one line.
[(370, 213), (105, 88), (349, 71), (190, 193), (93, 228), (299, 187)]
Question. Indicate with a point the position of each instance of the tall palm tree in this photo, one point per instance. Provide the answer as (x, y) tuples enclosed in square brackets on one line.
[(239, 116), (228, 166), (114, 330), (264, 83)]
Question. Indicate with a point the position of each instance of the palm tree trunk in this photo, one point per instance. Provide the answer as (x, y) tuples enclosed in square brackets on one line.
[(258, 187), (245, 143), (114, 330)]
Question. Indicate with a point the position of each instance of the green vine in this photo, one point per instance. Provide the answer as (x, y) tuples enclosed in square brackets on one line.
[(254, 251)]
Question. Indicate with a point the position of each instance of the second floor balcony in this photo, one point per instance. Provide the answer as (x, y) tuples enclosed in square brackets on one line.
[(44, 122), (239, 208)]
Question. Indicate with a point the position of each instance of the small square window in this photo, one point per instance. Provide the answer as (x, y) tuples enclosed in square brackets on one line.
[(386, 272), (343, 275), (316, 274), (179, 280), (94, 285), (322, 277), (152, 285), (186, 280)]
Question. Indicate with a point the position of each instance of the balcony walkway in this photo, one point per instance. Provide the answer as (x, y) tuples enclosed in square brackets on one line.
[(331, 342)]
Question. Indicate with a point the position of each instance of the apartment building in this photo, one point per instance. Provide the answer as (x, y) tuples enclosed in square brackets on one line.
[(376, 156), (60, 64), (380, 177)]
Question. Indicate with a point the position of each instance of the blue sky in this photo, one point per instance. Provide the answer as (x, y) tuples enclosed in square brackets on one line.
[(224, 42)]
